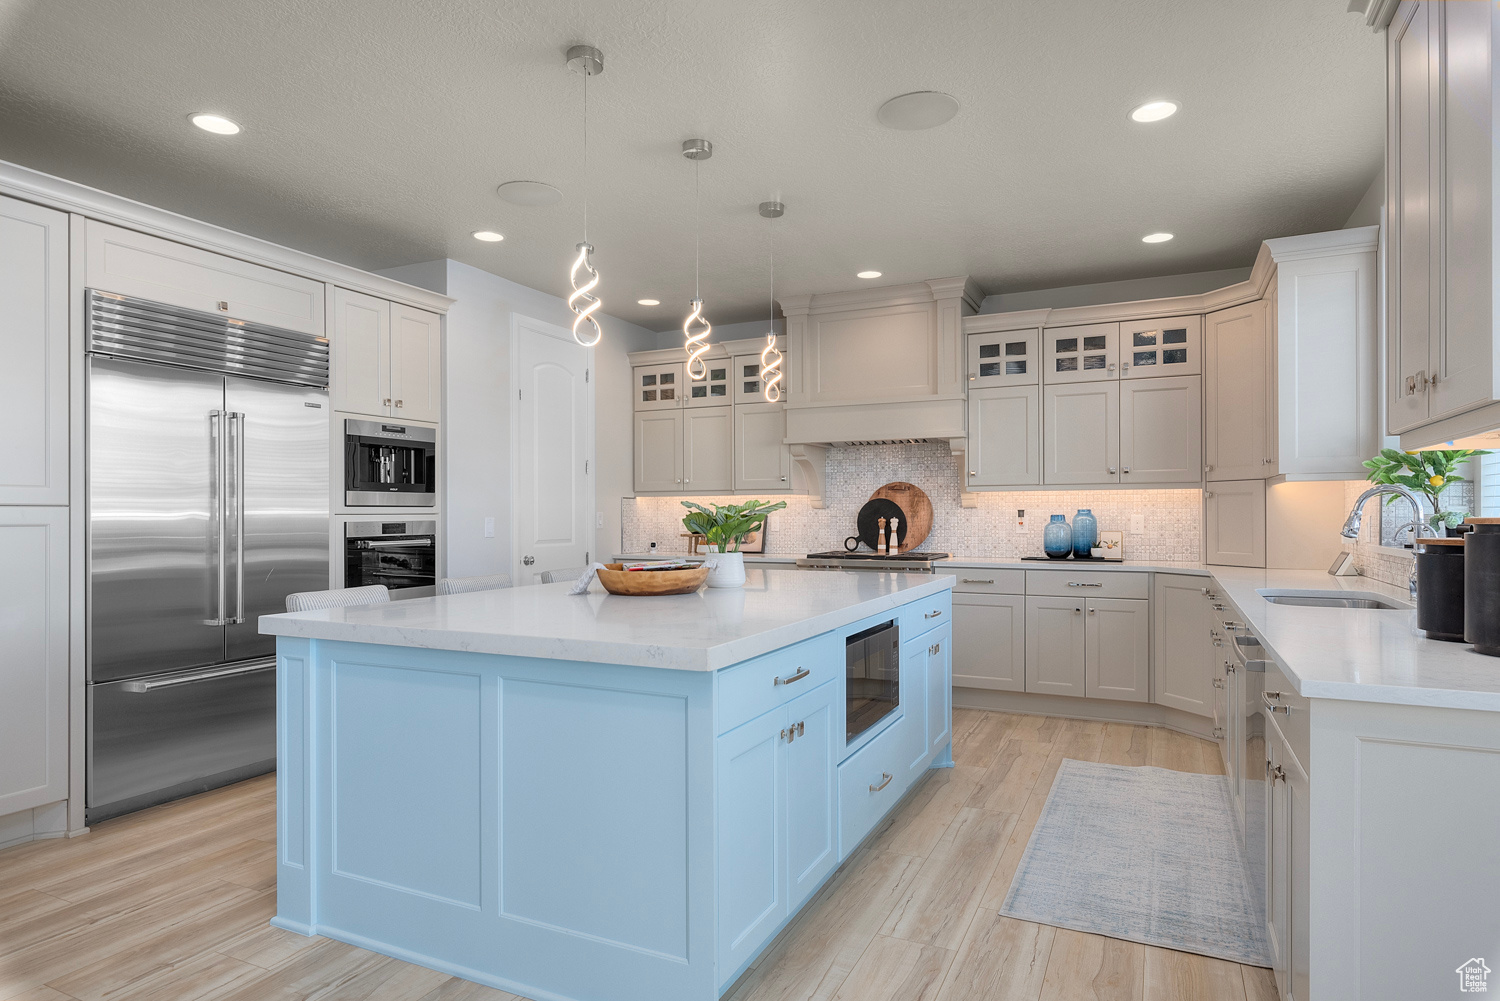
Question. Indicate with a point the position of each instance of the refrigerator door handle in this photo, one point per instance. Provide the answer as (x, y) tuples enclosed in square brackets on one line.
[(216, 435), (145, 687), (237, 424)]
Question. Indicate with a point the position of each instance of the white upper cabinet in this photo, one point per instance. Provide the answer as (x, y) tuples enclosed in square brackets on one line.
[(745, 374), (762, 461), (34, 345), (1161, 347), (1081, 433), (658, 451), (386, 358), (1005, 358), (416, 363), (1234, 523), (361, 354), (134, 264), (1161, 430), (1237, 391), (658, 386), (1087, 353), (708, 445), (1005, 437), (1443, 365), (1325, 325)]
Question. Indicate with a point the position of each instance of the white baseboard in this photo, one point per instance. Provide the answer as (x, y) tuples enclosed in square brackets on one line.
[(36, 824), (1101, 710)]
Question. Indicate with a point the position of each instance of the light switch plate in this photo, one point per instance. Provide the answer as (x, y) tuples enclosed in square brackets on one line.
[(489, 528), (599, 519), (1137, 524)]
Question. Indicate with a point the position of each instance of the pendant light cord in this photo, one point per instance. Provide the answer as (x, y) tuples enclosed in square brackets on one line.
[(585, 151), (697, 226)]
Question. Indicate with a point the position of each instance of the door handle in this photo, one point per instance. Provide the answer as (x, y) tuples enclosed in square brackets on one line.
[(1269, 700), (802, 672), (237, 425), (885, 780), (216, 435), (528, 560), (146, 687)]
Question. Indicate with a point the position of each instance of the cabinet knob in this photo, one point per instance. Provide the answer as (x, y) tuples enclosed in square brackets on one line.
[(1091, 611), (783, 479), (1208, 469), (1218, 733), (1208, 494), (223, 306), (386, 402), (398, 403), (1278, 774), (1125, 469), (973, 473), (1111, 366), (1111, 469), (1077, 611), (1266, 461)]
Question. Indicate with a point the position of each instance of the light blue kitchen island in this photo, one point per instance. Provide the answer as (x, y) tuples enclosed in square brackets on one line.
[(596, 798)]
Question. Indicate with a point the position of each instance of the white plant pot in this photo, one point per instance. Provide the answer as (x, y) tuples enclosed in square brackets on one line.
[(728, 571)]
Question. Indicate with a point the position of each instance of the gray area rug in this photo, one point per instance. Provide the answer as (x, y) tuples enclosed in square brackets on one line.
[(1143, 854)]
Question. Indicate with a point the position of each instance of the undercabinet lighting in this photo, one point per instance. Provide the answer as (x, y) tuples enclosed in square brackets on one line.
[(1154, 111), (217, 124), (1156, 237), (868, 274), (648, 302), (488, 236)]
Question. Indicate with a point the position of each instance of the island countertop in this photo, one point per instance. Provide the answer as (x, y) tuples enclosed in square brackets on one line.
[(703, 631)]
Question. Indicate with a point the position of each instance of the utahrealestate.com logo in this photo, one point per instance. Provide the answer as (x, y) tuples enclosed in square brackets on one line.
[(1473, 976)]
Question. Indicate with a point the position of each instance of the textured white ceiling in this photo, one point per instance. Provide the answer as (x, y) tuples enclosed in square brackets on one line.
[(377, 130)]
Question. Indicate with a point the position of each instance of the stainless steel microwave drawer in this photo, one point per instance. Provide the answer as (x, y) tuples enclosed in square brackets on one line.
[(1088, 584)]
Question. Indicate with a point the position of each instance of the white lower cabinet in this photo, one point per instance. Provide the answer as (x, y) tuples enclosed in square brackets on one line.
[(1117, 646), (989, 641), (34, 667), (1055, 645), (1287, 876), (1234, 523), (762, 461), (1005, 436), (1181, 649), (777, 834)]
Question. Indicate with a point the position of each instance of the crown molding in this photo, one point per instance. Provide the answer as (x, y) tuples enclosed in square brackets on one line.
[(69, 196), (914, 293)]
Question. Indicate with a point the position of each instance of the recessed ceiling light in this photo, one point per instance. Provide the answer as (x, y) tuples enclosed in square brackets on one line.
[(868, 274), (217, 124), (489, 236), (923, 109), (648, 302), (1154, 111), (1156, 237), (530, 193)]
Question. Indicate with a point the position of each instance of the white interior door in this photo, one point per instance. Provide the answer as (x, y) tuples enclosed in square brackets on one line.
[(552, 467)]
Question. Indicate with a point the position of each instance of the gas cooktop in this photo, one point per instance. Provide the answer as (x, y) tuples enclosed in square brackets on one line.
[(839, 559), (840, 554)]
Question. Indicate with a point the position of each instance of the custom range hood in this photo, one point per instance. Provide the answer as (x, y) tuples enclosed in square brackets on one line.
[(874, 366)]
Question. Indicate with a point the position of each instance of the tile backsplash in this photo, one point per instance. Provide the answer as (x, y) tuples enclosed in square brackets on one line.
[(1372, 560), (1173, 520)]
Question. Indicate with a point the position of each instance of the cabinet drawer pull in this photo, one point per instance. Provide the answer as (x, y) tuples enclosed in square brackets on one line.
[(1218, 682), (933, 614), (885, 780), (978, 580), (802, 672), (1074, 583), (1218, 733), (1278, 774), (1269, 700)]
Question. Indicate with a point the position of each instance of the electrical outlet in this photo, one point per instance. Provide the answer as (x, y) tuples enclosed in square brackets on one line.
[(1020, 519), (489, 528), (1138, 524), (599, 519)]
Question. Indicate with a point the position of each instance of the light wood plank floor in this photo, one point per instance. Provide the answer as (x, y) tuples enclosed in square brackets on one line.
[(171, 904)]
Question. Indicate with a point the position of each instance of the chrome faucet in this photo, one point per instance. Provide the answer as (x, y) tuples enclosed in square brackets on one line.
[(1415, 526)]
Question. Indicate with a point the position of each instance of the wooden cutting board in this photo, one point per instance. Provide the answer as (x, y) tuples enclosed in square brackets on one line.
[(912, 500)]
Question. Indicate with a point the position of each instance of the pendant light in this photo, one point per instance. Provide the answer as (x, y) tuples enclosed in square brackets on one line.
[(589, 61), (770, 356), (695, 339)]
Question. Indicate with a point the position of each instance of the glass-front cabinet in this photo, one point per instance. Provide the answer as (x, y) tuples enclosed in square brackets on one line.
[(1088, 353), (658, 387), (1161, 347), (748, 386), (713, 389), (1004, 358)]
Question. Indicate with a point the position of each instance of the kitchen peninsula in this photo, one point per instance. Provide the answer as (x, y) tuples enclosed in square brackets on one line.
[(591, 797)]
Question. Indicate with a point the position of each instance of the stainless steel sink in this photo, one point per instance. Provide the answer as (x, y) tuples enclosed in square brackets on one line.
[(1332, 599)]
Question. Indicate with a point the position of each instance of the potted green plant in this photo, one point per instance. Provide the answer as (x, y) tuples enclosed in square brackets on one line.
[(1428, 473), (725, 527)]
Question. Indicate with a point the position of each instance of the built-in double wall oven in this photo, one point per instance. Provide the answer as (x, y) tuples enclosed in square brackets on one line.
[(389, 465), (400, 555), (872, 678)]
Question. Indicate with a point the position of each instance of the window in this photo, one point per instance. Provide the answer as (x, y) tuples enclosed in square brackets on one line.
[(1487, 480)]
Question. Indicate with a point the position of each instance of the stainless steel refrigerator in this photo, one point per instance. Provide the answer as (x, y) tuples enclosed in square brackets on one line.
[(208, 446)]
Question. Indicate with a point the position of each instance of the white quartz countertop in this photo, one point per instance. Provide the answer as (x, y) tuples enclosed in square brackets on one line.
[(1359, 654), (959, 562), (703, 631)]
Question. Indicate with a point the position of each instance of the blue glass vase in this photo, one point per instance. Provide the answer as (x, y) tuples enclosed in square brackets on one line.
[(1085, 533), (1057, 538)]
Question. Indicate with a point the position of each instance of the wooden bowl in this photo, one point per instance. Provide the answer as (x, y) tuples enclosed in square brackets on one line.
[(617, 580)]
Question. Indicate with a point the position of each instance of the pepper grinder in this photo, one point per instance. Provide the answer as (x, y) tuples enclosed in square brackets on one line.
[(880, 538), (895, 546)]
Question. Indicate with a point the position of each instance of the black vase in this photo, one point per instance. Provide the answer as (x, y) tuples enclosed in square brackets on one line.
[(1482, 586), (1440, 589)]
